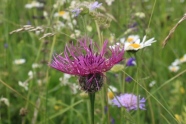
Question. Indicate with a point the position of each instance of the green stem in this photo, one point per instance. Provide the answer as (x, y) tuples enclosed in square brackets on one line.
[(92, 98)]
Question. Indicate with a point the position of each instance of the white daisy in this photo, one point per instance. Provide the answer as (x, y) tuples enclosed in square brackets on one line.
[(174, 68), (136, 45)]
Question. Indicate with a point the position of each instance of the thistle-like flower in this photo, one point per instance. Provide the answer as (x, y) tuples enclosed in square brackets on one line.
[(82, 61), (129, 101)]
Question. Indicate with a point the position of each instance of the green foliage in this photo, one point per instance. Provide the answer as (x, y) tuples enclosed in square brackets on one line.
[(52, 98)]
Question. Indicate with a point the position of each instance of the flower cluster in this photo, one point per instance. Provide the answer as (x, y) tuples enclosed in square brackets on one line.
[(86, 6), (175, 66), (129, 101), (81, 60)]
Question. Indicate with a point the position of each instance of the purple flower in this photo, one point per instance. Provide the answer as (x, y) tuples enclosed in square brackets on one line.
[(131, 62), (112, 120), (128, 79), (77, 11), (94, 6), (129, 101), (83, 61)]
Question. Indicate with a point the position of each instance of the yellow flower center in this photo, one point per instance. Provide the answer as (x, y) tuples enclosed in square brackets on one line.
[(110, 95), (134, 45), (61, 13), (130, 39), (174, 69)]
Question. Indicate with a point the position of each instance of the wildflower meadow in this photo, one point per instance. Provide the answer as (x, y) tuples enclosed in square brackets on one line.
[(92, 62)]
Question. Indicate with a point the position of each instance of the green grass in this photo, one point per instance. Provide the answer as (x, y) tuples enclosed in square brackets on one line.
[(49, 102)]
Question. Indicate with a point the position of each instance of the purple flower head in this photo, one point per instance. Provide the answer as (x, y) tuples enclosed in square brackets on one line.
[(129, 101), (128, 79), (94, 6), (83, 61), (77, 11), (131, 62)]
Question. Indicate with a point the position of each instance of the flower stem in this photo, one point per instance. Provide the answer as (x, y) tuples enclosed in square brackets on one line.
[(92, 98)]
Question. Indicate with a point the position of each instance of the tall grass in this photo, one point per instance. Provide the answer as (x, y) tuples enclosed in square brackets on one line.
[(49, 101)]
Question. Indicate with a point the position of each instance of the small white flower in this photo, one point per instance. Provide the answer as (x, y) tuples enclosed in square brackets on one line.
[(114, 89), (45, 14), (77, 34), (19, 61), (73, 4), (23, 84), (136, 45), (174, 68), (36, 65), (5, 101), (122, 40), (151, 84), (74, 87), (30, 74), (34, 4), (64, 80), (109, 2), (59, 25), (140, 14), (67, 76)]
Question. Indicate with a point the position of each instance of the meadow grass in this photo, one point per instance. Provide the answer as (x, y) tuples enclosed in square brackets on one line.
[(53, 99)]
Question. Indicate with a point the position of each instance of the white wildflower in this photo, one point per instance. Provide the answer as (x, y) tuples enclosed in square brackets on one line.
[(24, 85), (19, 61), (151, 84), (173, 68), (36, 65), (33, 4), (5, 101), (109, 2)]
